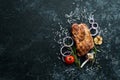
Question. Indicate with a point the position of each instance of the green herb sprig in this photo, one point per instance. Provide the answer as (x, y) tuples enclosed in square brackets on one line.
[(74, 53), (95, 52)]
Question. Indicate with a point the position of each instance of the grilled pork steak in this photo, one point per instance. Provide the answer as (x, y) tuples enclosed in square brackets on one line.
[(83, 38)]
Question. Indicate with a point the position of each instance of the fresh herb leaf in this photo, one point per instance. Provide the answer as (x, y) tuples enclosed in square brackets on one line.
[(74, 53), (95, 49), (95, 52)]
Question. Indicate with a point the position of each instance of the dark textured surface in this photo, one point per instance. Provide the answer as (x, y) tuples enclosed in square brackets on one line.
[(31, 33)]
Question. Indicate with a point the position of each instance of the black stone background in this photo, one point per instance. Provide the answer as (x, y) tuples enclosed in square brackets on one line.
[(31, 33)]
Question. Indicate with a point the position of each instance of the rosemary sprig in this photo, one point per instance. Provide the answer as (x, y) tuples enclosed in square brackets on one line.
[(95, 49), (95, 52), (74, 53)]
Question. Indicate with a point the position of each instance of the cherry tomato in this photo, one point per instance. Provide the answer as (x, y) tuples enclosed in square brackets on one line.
[(69, 59)]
